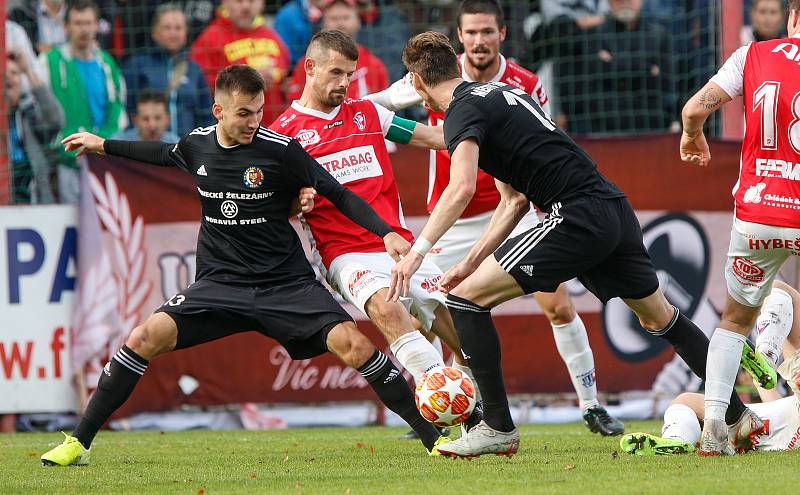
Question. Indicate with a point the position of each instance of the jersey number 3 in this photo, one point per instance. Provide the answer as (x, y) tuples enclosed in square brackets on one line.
[(766, 97), (514, 97)]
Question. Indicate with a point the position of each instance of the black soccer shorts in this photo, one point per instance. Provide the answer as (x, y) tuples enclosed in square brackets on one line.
[(299, 315), (597, 240)]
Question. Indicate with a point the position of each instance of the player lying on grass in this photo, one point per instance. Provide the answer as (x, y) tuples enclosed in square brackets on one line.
[(347, 138), (780, 415), (481, 29), (252, 273)]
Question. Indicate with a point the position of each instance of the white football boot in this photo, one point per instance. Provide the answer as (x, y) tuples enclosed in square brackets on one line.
[(482, 439)]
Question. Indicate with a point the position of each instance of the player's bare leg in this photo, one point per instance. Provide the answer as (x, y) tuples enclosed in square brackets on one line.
[(572, 343), (156, 336), (409, 346), (357, 351), (660, 318)]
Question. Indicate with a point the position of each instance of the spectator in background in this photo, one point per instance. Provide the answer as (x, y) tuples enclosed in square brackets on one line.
[(43, 21), (294, 23), (34, 120), (385, 31), (237, 35), (88, 84), (17, 41), (169, 70), (370, 75), (150, 120), (767, 21)]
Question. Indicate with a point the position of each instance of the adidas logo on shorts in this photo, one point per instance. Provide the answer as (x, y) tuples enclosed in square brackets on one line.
[(528, 269)]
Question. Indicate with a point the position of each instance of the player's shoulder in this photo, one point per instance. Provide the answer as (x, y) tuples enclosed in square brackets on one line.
[(270, 138), (199, 137), (520, 77)]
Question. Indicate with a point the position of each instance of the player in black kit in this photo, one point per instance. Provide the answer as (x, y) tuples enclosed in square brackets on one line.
[(590, 231), (252, 273)]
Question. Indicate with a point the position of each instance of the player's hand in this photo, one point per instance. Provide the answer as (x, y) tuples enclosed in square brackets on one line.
[(455, 276), (401, 275), (306, 199), (84, 142), (396, 246), (694, 149)]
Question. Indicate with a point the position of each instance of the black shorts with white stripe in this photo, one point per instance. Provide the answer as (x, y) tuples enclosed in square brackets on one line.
[(597, 240)]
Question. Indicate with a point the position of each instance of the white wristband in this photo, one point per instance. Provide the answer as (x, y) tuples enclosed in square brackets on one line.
[(422, 246)]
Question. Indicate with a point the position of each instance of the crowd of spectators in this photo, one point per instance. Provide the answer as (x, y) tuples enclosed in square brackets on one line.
[(145, 69)]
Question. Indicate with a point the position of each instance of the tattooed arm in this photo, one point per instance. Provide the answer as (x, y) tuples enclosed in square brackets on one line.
[(694, 148)]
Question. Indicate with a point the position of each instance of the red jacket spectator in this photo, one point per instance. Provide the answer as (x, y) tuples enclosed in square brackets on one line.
[(225, 42), (370, 77)]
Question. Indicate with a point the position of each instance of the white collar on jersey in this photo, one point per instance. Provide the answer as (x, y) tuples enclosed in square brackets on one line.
[(496, 77), (315, 113)]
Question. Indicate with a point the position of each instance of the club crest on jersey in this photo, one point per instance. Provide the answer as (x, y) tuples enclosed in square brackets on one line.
[(253, 177), (360, 121), (307, 137)]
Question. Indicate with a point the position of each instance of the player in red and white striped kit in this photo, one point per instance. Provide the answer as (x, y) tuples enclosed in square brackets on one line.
[(766, 224), (481, 29), (346, 136)]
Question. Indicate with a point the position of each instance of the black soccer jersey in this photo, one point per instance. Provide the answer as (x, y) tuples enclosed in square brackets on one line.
[(521, 146), (246, 192)]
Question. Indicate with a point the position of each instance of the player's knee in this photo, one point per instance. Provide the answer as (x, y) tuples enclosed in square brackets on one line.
[(359, 350), (391, 318), (682, 399), (560, 313), (151, 338)]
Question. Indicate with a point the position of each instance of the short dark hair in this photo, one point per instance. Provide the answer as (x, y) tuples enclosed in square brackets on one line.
[(241, 79), (151, 96), (793, 5), (338, 41), (431, 55), (481, 7), (163, 9), (80, 5)]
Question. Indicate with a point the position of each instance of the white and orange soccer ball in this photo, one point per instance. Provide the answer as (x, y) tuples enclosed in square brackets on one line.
[(445, 396)]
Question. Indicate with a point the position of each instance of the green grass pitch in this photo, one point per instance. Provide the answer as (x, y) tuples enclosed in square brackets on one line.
[(552, 459)]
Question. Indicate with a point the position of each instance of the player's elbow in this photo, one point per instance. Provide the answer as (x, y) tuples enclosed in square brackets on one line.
[(463, 191), (693, 112)]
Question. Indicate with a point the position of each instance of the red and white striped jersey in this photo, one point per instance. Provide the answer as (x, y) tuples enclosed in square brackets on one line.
[(348, 142), (767, 74), (401, 94)]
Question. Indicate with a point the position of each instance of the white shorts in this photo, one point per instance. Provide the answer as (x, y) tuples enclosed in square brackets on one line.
[(755, 255), (357, 276), (781, 423), (456, 242)]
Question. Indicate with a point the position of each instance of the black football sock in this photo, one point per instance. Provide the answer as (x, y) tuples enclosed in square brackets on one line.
[(393, 390), (117, 381), (691, 344), (480, 345)]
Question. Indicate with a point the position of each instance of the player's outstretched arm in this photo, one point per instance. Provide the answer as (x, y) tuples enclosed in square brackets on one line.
[(401, 94), (454, 200), (694, 148), (152, 152), (426, 136), (513, 206)]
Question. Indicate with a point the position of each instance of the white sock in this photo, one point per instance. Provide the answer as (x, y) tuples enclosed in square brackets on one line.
[(681, 423), (722, 365), (573, 346), (415, 354), (774, 323), (465, 369)]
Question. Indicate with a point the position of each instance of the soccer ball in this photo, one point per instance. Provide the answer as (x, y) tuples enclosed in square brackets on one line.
[(445, 396)]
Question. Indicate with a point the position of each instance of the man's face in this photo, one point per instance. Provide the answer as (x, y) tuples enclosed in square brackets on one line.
[(239, 115), (342, 17), (625, 10), (151, 119), (329, 77), (481, 37), (13, 82), (242, 13), (767, 18), (170, 31), (81, 28)]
